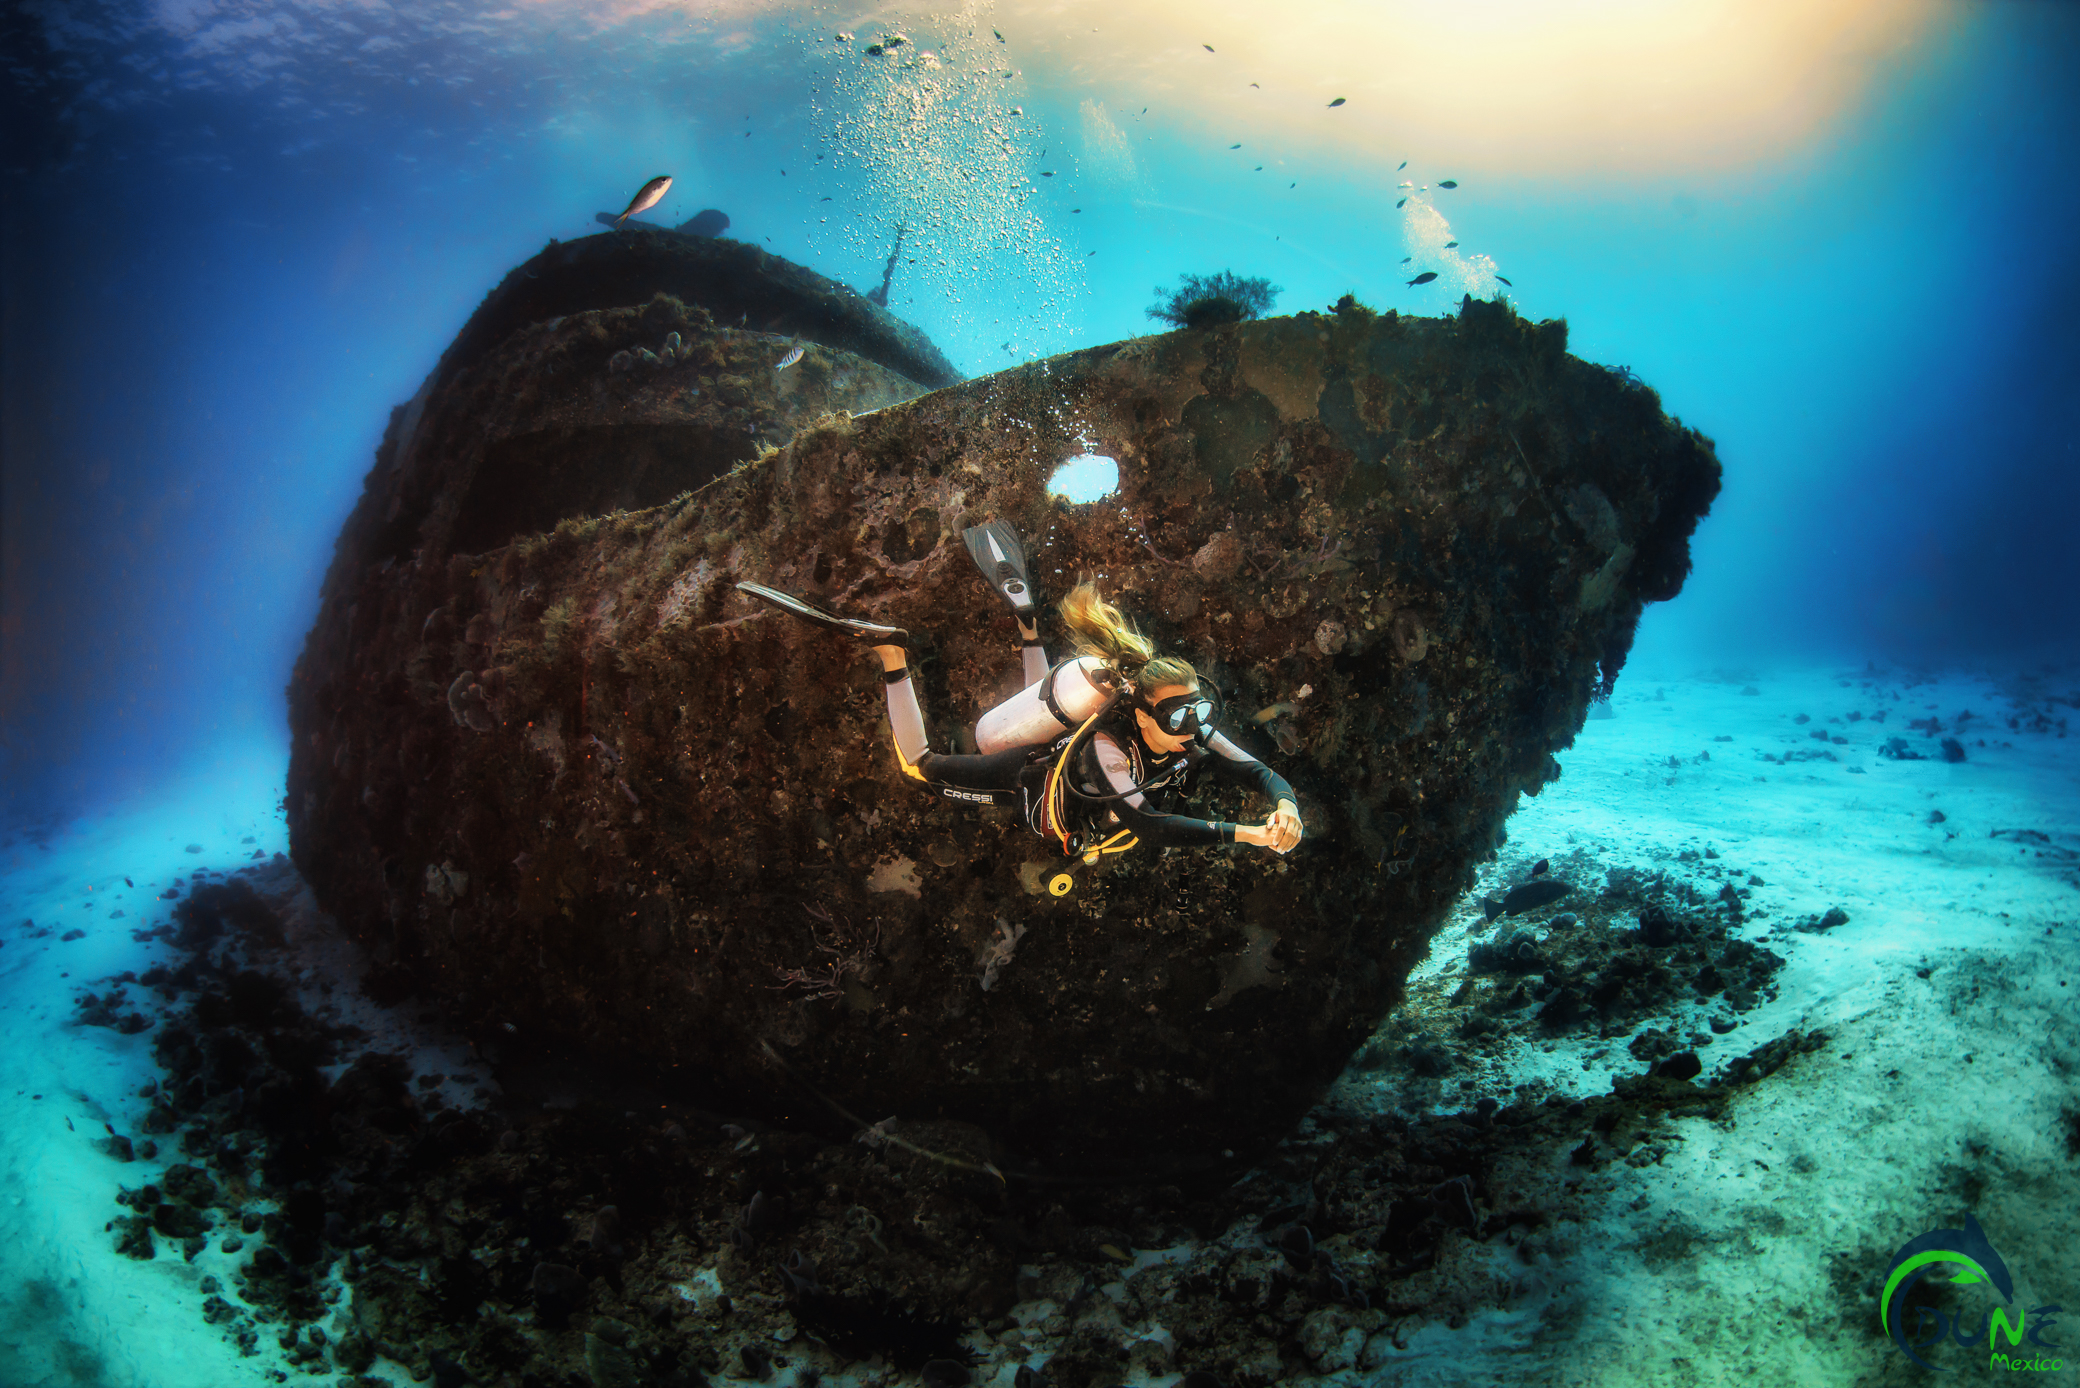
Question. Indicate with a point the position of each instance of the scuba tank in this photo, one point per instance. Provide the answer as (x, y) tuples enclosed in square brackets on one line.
[(1042, 712)]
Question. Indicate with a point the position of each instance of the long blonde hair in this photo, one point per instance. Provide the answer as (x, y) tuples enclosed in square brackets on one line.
[(1097, 628)]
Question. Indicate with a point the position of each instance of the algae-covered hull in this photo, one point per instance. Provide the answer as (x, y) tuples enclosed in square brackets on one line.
[(577, 785)]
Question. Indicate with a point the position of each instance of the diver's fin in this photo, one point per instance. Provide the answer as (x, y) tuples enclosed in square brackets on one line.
[(873, 633), (1002, 559)]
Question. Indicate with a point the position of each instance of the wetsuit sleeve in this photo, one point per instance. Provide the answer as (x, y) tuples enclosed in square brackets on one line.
[(1230, 763), (1154, 828)]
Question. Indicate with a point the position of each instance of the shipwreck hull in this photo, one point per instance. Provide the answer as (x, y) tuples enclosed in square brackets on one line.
[(576, 785)]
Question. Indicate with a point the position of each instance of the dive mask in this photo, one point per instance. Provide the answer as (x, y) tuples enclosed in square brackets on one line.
[(1187, 715)]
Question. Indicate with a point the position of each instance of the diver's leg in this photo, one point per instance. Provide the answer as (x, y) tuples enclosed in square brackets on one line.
[(905, 715), (979, 771), (1031, 653)]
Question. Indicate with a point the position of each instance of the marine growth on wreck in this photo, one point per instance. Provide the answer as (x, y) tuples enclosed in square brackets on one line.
[(550, 764)]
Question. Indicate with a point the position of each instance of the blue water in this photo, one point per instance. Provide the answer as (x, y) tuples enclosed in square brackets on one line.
[(1839, 238)]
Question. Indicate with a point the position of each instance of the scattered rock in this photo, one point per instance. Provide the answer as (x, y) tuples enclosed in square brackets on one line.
[(134, 1237), (558, 1291), (1684, 1065), (1821, 924)]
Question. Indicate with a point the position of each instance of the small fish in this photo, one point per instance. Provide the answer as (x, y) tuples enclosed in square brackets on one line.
[(747, 134), (647, 197), (128, 883), (1405, 259), (999, 34), (1258, 169), (1402, 203), (1292, 185), (1512, 286), (794, 354), (1449, 183), (1447, 245), (825, 199), (1047, 173), (1528, 897), (1539, 868), (1089, 256), (1336, 103), (1075, 209), (1255, 85), (1207, 46), (1404, 164), (1234, 146), (1425, 277)]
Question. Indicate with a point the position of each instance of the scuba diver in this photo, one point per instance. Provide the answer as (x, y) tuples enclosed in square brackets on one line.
[(1093, 749)]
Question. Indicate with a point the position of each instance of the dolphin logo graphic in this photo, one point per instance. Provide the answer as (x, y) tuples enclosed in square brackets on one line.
[(1966, 1247)]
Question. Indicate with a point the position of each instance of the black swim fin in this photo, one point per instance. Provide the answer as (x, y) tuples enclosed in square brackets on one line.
[(873, 633), (1002, 559)]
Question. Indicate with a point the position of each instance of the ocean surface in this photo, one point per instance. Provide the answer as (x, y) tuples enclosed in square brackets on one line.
[(1836, 238)]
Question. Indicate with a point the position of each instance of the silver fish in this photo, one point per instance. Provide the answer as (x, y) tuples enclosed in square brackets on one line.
[(794, 354), (647, 197)]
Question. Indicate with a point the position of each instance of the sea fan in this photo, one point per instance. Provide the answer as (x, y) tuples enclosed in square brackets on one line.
[(1202, 301)]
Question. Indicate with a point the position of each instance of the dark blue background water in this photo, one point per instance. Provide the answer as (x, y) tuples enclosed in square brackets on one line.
[(236, 235)]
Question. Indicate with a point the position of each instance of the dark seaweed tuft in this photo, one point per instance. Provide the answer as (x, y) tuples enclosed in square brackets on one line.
[(1205, 301)]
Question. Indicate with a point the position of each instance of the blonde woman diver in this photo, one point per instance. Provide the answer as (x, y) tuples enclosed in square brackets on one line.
[(1130, 730)]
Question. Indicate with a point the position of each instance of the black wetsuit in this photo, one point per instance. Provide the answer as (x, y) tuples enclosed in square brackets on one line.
[(1115, 759)]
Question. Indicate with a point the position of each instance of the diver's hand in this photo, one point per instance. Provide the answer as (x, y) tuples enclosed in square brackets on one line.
[(1281, 833), (1285, 828)]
